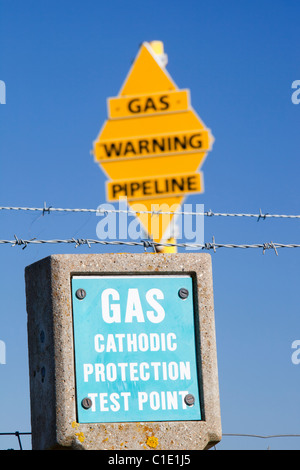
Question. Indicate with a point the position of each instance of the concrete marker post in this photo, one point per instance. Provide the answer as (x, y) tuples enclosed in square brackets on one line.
[(53, 352)]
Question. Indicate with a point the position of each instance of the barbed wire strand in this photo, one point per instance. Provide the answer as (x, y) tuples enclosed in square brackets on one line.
[(147, 243), (271, 436), (209, 213)]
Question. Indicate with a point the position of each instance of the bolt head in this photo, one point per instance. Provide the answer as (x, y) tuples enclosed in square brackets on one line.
[(183, 293), (86, 403), (189, 399), (80, 294)]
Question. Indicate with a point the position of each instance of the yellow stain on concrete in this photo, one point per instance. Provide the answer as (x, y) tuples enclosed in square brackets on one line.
[(152, 442), (80, 436)]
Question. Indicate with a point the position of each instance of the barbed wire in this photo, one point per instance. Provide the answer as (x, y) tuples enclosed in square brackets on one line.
[(148, 243), (209, 213), (271, 436)]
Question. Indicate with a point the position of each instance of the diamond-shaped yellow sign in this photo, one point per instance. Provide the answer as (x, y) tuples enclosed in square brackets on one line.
[(153, 143)]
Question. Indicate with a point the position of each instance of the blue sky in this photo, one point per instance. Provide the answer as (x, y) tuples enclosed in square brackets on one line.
[(60, 61)]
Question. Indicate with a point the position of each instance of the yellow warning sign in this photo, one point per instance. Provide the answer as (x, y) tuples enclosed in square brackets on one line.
[(153, 143)]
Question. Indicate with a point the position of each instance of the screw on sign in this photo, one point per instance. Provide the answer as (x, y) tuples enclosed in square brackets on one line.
[(80, 294), (189, 399), (86, 403), (183, 293)]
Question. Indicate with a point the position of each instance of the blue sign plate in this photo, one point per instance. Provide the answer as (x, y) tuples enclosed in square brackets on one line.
[(135, 349)]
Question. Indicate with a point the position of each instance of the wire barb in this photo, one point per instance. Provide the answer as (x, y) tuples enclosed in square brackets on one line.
[(46, 209), (262, 216), (268, 246), (147, 244), (81, 241), (20, 241)]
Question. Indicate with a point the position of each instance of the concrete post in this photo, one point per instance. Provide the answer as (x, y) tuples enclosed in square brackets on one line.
[(113, 373)]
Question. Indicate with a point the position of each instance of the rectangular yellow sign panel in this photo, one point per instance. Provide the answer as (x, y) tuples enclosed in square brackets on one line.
[(161, 186), (143, 105), (171, 143)]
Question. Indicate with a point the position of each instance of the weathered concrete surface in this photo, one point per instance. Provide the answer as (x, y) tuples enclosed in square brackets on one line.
[(51, 356)]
